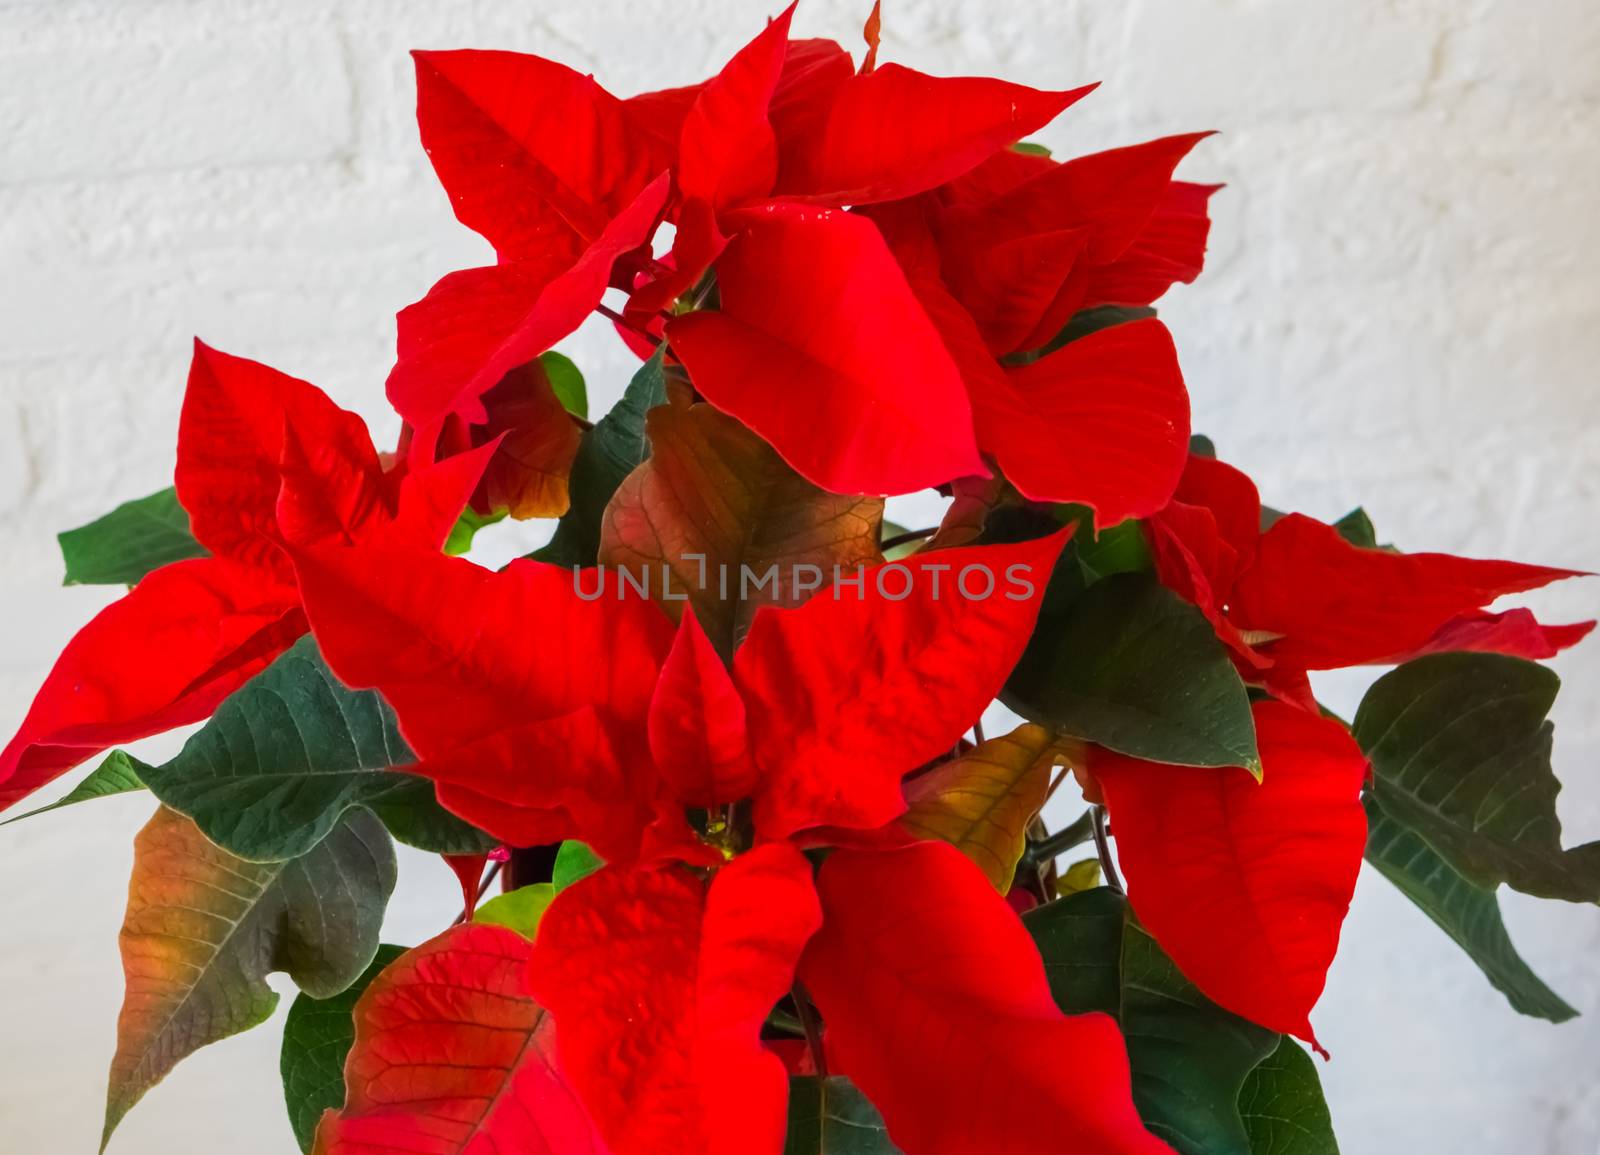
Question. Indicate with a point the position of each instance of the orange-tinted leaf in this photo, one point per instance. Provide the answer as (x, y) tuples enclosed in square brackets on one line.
[(453, 1056), (712, 498), (527, 477), (204, 929), (981, 803)]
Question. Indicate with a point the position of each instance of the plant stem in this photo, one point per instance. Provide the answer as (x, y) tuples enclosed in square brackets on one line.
[(483, 888), (812, 1028), (908, 536), (613, 315), (1103, 848), (1046, 849)]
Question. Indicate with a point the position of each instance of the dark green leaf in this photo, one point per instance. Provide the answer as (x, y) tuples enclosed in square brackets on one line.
[(1082, 324), (1283, 1108), (1469, 914), (317, 1036), (608, 453), (1120, 548), (129, 542), (1356, 528), (116, 775), (288, 754), (566, 381), (1080, 940), (1189, 1056), (1133, 667), (832, 1117), (1202, 446), (574, 860), (1460, 751)]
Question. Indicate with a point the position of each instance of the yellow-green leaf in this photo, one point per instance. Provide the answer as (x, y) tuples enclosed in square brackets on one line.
[(982, 802)]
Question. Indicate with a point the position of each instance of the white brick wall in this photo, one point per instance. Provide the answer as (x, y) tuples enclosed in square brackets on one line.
[(1402, 310)]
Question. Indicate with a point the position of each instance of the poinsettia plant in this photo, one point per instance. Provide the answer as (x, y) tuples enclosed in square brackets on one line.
[(767, 886)]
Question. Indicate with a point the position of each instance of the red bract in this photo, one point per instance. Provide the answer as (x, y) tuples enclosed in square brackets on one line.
[(931, 987), (691, 972), (1300, 597), (262, 458), (453, 1056), (1246, 884), (789, 356)]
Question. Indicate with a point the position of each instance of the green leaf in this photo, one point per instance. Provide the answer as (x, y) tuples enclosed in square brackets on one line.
[(1469, 914), (1202, 446), (204, 929), (574, 860), (1189, 1057), (288, 754), (1133, 667), (466, 529), (1460, 752), (1283, 1108), (129, 542), (317, 1036), (566, 381), (1356, 528), (116, 775), (1030, 148), (1082, 324), (830, 1116), (1119, 548), (519, 910), (1080, 940), (608, 453)]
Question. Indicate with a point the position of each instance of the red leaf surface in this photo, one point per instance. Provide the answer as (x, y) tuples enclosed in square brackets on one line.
[(461, 651), (231, 435), (849, 692), (937, 1007), (822, 348), (1246, 884), (659, 985), (453, 1056), (728, 153), (697, 723), (537, 158), (1103, 421), (477, 325), (1340, 605), (1170, 249), (164, 655), (895, 132), (1516, 632), (521, 699)]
